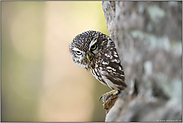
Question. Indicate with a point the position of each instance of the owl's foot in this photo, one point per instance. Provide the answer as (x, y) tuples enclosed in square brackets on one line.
[(109, 94)]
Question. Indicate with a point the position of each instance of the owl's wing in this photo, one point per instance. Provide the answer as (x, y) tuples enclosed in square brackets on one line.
[(114, 76)]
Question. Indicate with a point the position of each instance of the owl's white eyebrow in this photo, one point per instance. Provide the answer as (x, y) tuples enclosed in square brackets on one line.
[(76, 49), (92, 43)]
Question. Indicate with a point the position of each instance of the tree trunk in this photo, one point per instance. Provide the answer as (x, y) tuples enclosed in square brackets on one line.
[(148, 38)]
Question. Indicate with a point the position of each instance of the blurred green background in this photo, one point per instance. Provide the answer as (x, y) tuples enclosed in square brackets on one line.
[(39, 80)]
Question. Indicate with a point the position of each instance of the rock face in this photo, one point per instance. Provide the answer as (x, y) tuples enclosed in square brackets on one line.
[(148, 39)]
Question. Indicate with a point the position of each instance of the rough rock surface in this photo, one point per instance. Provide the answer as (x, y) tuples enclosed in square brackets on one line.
[(148, 39)]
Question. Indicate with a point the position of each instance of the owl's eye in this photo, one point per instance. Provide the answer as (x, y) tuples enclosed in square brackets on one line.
[(78, 52), (93, 47)]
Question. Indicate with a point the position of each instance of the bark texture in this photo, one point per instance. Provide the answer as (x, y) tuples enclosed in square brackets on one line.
[(148, 39)]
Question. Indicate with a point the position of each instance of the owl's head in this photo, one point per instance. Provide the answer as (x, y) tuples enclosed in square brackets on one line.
[(85, 47)]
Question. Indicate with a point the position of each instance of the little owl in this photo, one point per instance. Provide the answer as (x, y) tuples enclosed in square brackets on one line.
[(96, 52)]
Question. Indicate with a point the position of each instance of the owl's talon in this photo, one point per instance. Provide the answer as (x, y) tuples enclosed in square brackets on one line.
[(110, 93), (100, 97), (118, 92)]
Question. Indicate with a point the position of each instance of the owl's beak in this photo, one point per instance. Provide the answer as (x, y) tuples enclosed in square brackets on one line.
[(88, 57)]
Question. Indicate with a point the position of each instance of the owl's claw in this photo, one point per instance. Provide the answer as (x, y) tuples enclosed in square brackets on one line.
[(100, 97), (110, 93)]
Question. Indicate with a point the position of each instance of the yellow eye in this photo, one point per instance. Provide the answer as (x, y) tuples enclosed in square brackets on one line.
[(78, 52), (93, 47)]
